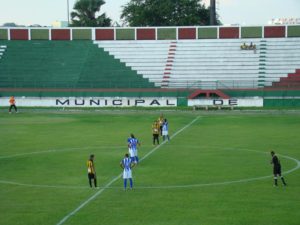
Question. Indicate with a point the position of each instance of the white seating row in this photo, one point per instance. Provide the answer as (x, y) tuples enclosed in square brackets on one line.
[(178, 63)]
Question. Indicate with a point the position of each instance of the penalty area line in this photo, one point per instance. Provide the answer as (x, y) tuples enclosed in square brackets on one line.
[(62, 221)]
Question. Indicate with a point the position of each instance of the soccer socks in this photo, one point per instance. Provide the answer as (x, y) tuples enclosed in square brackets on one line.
[(125, 183), (276, 181), (283, 181), (95, 182)]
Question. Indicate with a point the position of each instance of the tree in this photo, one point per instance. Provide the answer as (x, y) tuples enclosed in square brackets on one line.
[(85, 14), (165, 13), (10, 24)]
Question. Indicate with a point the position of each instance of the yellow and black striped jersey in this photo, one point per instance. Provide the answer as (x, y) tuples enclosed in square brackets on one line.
[(155, 128), (90, 166)]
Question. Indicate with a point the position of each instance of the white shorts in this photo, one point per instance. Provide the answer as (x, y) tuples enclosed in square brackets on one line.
[(131, 152), (165, 132), (127, 174)]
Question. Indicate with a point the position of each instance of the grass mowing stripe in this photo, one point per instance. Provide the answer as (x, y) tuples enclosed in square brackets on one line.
[(173, 186), (116, 178), (58, 150)]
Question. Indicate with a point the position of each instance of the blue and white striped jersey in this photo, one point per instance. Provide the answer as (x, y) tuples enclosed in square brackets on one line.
[(126, 162), (133, 142), (165, 126)]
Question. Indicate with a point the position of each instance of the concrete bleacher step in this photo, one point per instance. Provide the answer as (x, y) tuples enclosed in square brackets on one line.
[(290, 79), (205, 60)]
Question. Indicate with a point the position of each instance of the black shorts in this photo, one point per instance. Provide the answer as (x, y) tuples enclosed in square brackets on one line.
[(277, 170), (91, 176)]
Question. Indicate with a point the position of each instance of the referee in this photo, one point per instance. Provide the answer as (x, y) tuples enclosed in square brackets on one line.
[(91, 171), (276, 169)]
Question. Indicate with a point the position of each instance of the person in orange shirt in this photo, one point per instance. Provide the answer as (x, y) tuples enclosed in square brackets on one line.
[(12, 103)]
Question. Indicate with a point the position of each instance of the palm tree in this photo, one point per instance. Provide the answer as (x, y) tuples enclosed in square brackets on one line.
[(85, 14)]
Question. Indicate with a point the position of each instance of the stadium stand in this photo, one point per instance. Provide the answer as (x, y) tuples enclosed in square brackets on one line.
[(292, 80), (155, 61), (208, 64), (64, 64)]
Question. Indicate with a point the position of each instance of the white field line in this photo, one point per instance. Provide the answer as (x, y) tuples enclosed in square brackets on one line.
[(169, 186), (227, 182), (116, 178)]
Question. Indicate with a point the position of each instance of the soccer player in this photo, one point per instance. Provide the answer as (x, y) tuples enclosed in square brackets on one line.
[(12, 103), (276, 169), (132, 147), (91, 171), (155, 132), (165, 130), (127, 164), (160, 122)]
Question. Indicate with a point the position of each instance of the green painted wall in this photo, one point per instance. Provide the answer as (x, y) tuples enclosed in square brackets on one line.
[(251, 32), (166, 33), (293, 31), (3, 34), (281, 102), (82, 34), (125, 34), (208, 33), (39, 34), (182, 101)]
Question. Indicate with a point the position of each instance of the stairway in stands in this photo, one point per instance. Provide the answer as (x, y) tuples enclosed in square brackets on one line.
[(208, 64), (2, 50)]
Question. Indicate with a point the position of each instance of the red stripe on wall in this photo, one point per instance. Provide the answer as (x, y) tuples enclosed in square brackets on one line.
[(145, 34), (105, 34), (187, 33), (19, 34), (274, 31), (60, 34), (229, 32)]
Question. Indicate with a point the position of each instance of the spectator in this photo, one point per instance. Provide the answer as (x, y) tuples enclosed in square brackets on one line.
[(12, 103), (244, 46)]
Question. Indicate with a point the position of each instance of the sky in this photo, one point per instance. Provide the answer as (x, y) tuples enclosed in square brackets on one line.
[(243, 12)]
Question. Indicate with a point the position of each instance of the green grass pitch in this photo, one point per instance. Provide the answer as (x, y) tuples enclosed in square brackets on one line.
[(215, 171)]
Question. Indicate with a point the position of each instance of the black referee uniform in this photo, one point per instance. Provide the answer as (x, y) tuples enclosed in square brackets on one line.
[(276, 169)]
